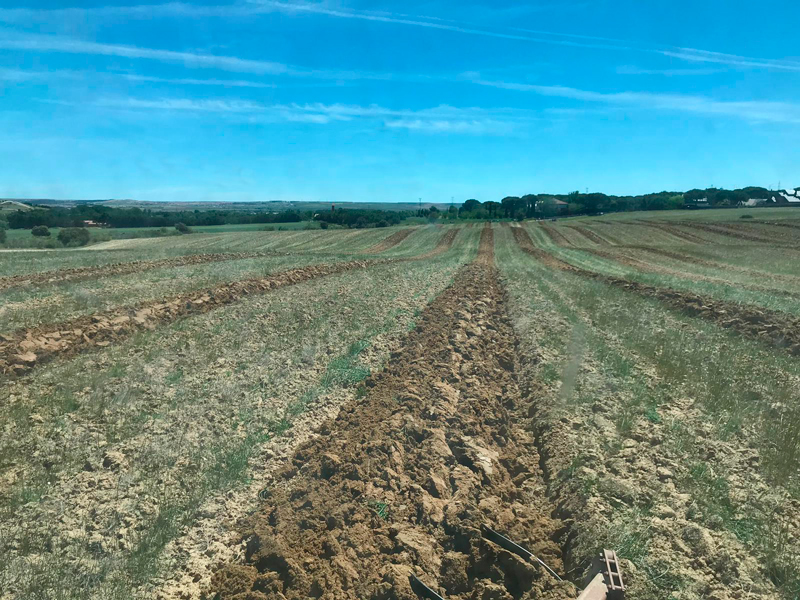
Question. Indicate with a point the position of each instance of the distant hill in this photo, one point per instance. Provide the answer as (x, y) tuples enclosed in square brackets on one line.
[(13, 205), (253, 207)]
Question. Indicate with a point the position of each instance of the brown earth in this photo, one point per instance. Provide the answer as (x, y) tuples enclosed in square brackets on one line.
[(400, 482), (390, 242), (772, 327), (125, 268)]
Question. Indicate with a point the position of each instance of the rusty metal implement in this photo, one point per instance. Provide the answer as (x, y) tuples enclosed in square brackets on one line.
[(607, 582), (502, 541), (422, 590)]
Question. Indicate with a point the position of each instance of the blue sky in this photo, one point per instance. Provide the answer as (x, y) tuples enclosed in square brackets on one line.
[(393, 101)]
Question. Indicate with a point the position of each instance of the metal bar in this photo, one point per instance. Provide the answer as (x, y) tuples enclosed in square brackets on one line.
[(422, 590), (502, 541), (614, 582)]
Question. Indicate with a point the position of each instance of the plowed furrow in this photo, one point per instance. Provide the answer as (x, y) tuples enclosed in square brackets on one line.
[(126, 268), (729, 231), (443, 245), (556, 236), (400, 482), (21, 351), (390, 242), (647, 267), (589, 235), (669, 230), (769, 326)]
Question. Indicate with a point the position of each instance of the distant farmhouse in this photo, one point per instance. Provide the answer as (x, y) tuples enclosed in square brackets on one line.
[(549, 207)]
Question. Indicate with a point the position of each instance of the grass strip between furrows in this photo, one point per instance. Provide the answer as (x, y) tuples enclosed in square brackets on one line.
[(619, 257), (779, 329), (402, 480), (23, 350), (115, 269), (638, 451)]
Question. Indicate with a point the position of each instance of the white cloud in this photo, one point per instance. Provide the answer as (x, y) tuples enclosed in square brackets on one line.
[(705, 56), (475, 127), (632, 70), (256, 7), (439, 119), (43, 43), (755, 110), (185, 81)]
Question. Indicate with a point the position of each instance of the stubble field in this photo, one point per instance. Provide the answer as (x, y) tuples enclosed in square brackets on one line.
[(321, 414)]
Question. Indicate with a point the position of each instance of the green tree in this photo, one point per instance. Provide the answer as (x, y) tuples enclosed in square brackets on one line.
[(74, 236), (40, 231)]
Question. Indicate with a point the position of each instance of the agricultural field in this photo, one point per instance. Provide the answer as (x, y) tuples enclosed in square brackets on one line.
[(248, 415)]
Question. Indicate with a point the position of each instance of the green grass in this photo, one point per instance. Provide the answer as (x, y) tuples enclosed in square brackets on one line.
[(190, 414), (644, 359)]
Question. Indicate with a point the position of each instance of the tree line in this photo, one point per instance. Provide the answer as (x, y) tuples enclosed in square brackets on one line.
[(135, 217), (549, 205)]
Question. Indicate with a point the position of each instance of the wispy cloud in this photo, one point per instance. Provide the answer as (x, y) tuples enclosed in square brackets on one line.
[(256, 7), (44, 43), (474, 127), (705, 56), (209, 82), (754, 111), (192, 60), (439, 119), (17, 75), (632, 70)]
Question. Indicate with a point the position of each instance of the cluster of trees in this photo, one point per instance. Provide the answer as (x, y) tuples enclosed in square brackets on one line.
[(358, 219), (722, 197), (547, 205)]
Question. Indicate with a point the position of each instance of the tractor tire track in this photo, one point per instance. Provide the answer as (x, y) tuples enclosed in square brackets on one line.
[(401, 481), (772, 327)]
